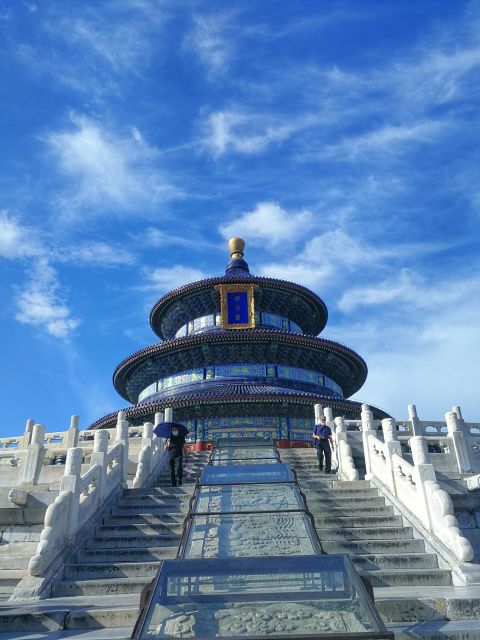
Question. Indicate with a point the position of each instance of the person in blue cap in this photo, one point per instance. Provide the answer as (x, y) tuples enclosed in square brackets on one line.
[(323, 441), (174, 445)]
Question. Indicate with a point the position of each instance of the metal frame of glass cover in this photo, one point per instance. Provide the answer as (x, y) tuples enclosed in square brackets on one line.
[(216, 590), (221, 456)]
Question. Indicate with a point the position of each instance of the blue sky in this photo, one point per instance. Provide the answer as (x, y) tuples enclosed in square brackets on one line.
[(340, 139)]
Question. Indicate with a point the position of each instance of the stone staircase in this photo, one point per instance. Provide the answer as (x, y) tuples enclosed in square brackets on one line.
[(409, 586), (102, 581)]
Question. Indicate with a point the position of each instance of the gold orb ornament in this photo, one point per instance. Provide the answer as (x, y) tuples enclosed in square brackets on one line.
[(236, 246)]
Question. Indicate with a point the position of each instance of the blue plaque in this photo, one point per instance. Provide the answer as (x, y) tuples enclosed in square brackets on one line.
[(237, 306)]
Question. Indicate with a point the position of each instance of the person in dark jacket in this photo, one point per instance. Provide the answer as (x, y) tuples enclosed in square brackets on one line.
[(323, 441), (174, 445)]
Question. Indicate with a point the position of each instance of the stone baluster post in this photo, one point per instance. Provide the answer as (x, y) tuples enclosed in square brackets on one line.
[(158, 418), (168, 414), (99, 455), (147, 441), (72, 435), (71, 482), (147, 434), (328, 413), (392, 446), (318, 412), (122, 438), (27, 434), (423, 471), (368, 430), (415, 427), (35, 456), (455, 433), (346, 465)]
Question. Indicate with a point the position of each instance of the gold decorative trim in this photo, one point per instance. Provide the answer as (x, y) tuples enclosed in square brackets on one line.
[(223, 290)]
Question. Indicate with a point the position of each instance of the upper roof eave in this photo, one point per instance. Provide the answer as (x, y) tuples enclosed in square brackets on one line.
[(164, 304)]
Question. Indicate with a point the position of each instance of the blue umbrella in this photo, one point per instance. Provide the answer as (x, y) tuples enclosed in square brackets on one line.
[(164, 429)]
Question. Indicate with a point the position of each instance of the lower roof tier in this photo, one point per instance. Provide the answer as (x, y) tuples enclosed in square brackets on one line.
[(148, 365), (240, 400)]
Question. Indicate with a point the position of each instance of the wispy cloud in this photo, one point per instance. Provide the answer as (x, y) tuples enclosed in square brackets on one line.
[(41, 304), (16, 239), (105, 173), (109, 43), (211, 41), (242, 132), (269, 224), (163, 279), (97, 253), (412, 289)]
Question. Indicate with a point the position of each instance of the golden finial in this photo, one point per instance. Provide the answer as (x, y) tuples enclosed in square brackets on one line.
[(236, 246)]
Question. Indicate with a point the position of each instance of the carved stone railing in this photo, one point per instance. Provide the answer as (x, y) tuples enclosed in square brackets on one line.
[(81, 495), (26, 461), (346, 465), (414, 486), (152, 456)]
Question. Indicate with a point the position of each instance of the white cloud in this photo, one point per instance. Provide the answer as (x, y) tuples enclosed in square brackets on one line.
[(98, 253), (105, 170), (17, 240), (269, 224), (40, 304), (412, 289), (388, 139), (163, 279), (211, 40), (227, 131), (422, 356)]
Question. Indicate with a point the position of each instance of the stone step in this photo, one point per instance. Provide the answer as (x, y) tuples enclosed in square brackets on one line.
[(385, 545), (143, 554), (167, 492), (365, 533), (328, 500), (166, 511), (406, 561), (98, 587), (15, 561), (152, 501), (134, 541), (437, 630), (328, 520), (342, 493), (381, 510), (132, 530), (173, 523), (107, 570), (427, 577)]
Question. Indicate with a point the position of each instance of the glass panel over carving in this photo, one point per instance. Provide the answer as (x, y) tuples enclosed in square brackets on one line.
[(260, 497), (247, 473), (257, 534), (318, 596), (243, 455)]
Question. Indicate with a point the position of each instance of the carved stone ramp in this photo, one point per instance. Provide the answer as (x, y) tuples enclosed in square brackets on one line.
[(409, 586), (101, 584)]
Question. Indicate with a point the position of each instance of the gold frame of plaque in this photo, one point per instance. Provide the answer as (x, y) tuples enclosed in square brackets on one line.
[(223, 290)]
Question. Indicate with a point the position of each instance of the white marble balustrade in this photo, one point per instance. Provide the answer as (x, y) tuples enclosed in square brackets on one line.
[(81, 494), (414, 485)]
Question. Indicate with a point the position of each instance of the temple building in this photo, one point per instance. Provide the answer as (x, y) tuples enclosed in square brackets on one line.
[(240, 355)]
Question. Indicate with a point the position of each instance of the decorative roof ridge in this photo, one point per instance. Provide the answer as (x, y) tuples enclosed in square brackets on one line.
[(249, 334), (147, 407), (197, 285), (352, 359)]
